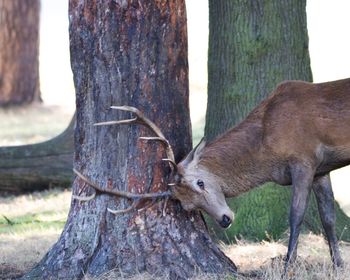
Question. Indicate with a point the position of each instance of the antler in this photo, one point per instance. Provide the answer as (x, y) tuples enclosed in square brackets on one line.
[(141, 119), (134, 196)]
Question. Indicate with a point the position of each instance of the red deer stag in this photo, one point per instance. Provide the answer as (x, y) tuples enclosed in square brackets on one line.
[(294, 137)]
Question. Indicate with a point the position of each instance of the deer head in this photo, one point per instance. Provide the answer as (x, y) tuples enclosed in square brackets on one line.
[(198, 188), (195, 186)]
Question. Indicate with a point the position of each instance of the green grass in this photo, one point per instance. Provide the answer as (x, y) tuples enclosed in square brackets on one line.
[(39, 211), (30, 222)]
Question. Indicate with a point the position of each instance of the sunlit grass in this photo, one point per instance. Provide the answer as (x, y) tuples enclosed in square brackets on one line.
[(37, 221), (32, 123), (264, 261), (36, 212), (29, 226)]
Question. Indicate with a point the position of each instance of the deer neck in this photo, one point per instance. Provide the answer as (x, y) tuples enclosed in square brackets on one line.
[(237, 158)]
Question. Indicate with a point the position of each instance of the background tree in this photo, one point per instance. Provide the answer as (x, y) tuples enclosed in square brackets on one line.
[(19, 59), (123, 52), (253, 46), (38, 166)]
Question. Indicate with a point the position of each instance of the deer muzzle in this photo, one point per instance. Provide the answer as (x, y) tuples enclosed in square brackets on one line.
[(225, 221)]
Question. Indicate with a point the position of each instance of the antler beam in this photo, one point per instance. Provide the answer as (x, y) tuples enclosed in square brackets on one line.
[(128, 195), (142, 119)]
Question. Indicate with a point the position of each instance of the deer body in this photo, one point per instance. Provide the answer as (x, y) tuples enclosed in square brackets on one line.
[(299, 123), (294, 137)]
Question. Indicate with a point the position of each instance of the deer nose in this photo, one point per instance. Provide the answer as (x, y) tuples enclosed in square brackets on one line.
[(225, 222)]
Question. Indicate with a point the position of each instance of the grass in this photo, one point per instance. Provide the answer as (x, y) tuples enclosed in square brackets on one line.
[(264, 261), (40, 210), (36, 221), (32, 123), (29, 225)]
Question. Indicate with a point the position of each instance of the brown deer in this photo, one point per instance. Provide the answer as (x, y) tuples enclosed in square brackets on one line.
[(294, 137)]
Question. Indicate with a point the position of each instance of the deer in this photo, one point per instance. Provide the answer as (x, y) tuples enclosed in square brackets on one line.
[(295, 137)]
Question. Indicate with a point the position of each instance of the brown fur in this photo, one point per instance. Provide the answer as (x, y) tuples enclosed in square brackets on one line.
[(296, 136), (300, 121)]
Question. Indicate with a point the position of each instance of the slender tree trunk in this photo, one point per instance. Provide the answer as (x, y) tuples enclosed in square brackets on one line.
[(253, 46), (38, 166), (19, 51), (129, 53)]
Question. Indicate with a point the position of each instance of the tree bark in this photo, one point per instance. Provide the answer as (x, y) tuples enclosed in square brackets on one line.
[(128, 53), (252, 48), (19, 49), (38, 166)]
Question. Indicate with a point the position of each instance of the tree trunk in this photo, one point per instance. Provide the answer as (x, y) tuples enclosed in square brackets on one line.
[(127, 53), (19, 59), (38, 166), (252, 48)]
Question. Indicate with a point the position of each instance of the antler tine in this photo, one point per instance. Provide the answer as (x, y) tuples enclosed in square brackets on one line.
[(128, 195), (171, 162), (84, 198), (116, 122), (123, 211), (160, 136)]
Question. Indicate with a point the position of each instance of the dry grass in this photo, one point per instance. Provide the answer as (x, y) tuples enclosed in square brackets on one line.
[(33, 224), (32, 123), (35, 203), (21, 249), (264, 261), (20, 252)]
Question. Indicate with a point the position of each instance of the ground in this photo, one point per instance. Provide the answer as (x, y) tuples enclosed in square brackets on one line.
[(34, 221)]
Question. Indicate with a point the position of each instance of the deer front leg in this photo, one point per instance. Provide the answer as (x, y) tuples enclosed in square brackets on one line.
[(302, 177), (322, 188)]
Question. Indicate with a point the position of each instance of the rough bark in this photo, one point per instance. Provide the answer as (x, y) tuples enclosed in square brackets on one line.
[(38, 166), (253, 47), (19, 49), (129, 53)]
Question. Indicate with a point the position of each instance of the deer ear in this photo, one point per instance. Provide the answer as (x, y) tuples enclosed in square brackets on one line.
[(195, 154), (198, 150)]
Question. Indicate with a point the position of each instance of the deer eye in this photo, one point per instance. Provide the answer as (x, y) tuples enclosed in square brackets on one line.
[(200, 184)]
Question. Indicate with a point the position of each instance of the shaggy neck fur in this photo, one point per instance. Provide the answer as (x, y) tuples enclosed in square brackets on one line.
[(237, 157)]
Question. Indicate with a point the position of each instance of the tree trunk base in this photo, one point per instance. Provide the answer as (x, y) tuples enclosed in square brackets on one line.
[(160, 246)]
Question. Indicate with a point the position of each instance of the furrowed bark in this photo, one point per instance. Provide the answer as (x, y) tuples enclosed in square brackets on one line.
[(129, 53), (252, 48), (19, 52)]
